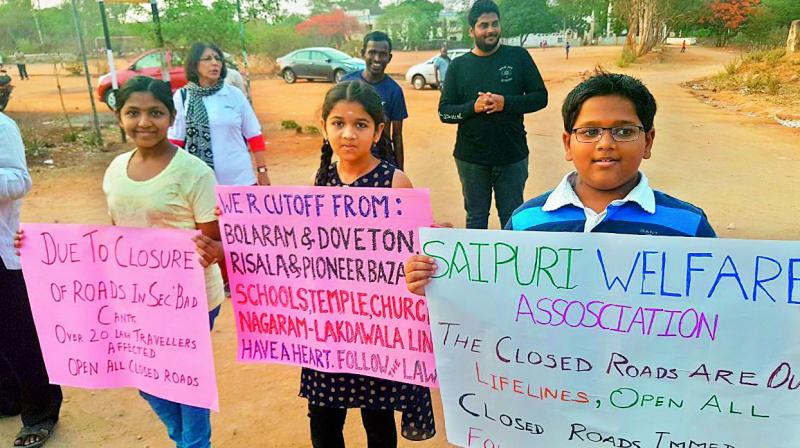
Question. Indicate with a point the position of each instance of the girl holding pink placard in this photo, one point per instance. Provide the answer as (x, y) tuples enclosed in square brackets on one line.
[(156, 185), (352, 122)]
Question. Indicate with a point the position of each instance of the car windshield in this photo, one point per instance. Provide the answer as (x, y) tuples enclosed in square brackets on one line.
[(336, 54)]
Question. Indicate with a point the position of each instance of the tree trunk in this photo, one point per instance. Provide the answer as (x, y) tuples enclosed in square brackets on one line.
[(633, 25), (647, 27), (793, 41)]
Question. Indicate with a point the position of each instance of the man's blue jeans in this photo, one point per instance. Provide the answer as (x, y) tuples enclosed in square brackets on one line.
[(477, 183), (187, 426)]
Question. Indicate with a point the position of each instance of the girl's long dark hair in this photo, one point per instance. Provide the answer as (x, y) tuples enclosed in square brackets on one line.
[(357, 92), (156, 87)]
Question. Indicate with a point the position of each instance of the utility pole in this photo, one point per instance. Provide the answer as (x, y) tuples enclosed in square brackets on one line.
[(99, 136), (36, 22), (160, 41), (112, 70)]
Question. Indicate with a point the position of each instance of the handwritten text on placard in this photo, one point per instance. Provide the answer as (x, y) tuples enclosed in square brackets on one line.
[(317, 278), (117, 306), (564, 339)]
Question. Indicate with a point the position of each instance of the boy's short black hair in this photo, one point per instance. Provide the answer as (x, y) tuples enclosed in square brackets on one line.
[(480, 8), (377, 36), (606, 84)]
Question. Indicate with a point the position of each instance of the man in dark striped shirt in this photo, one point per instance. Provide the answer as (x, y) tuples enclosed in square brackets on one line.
[(608, 131)]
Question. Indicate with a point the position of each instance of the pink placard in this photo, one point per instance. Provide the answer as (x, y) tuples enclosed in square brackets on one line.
[(119, 306), (317, 280)]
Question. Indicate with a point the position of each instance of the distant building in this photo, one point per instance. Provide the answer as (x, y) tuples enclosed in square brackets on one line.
[(451, 26), (365, 18)]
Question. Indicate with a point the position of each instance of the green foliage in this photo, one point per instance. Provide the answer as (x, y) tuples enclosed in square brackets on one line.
[(750, 73), (186, 21), (766, 25), (768, 55), (525, 17), (268, 10), (182, 22), (36, 142), (770, 24), (411, 22), (18, 26), (627, 57), (573, 14), (763, 83), (732, 66), (289, 124), (311, 130), (274, 40)]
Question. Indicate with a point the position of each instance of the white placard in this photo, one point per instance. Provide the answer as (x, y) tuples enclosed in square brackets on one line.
[(598, 340)]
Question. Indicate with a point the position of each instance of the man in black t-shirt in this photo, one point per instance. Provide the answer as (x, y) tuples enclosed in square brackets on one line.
[(487, 92)]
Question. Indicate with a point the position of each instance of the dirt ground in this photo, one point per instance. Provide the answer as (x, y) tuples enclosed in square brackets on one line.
[(743, 171)]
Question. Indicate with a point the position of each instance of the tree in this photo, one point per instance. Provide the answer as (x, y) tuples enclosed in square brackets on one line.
[(525, 17), (20, 25), (276, 39), (726, 16), (411, 22), (268, 10), (770, 22), (333, 28), (573, 15)]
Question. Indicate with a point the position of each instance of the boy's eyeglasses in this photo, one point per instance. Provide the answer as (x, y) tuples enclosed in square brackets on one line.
[(618, 133), (211, 58)]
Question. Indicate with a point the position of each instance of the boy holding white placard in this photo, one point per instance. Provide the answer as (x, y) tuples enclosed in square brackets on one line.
[(608, 131)]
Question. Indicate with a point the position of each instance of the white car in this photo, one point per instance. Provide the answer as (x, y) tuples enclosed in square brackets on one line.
[(422, 75)]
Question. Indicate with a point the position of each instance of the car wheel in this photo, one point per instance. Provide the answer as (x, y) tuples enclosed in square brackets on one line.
[(289, 76), (419, 82), (110, 98), (338, 76)]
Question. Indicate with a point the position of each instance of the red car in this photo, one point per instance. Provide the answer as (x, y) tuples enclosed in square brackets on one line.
[(147, 64)]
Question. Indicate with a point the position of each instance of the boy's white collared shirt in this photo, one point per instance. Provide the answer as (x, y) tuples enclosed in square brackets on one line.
[(564, 194)]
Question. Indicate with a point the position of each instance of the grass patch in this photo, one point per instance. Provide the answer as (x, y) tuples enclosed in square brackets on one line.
[(732, 66), (289, 124), (627, 58), (760, 71), (37, 143)]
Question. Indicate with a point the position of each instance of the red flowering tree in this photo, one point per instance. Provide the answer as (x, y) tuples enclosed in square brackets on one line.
[(332, 28), (726, 16)]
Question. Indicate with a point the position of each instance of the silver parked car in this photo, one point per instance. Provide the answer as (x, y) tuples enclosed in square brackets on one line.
[(422, 75), (318, 63)]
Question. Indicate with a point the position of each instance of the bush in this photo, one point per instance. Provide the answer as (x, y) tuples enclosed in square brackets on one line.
[(732, 66), (772, 85), (37, 145), (773, 56), (74, 67), (763, 83), (275, 40), (289, 124), (627, 57), (725, 81)]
